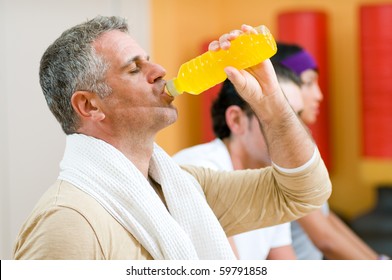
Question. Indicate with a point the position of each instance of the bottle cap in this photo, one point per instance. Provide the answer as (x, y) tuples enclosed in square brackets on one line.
[(171, 88)]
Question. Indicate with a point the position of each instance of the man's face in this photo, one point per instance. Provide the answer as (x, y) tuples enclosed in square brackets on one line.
[(256, 145), (138, 102), (254, 141), (294, 96), (312, 96)]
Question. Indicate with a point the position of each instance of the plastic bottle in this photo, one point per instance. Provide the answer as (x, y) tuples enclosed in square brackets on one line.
[(207, 70)]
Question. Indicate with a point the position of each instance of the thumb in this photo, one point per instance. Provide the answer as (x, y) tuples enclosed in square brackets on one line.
[(236, 78)]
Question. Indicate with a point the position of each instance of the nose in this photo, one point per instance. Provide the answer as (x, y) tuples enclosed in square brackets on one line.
[(318, 93), (156, 72)]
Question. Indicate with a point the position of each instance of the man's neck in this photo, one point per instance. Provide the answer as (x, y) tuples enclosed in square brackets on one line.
[(137, 149), (241, 159), (138, 152)]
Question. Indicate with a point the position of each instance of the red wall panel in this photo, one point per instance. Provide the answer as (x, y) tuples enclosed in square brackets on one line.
[(376, 79)]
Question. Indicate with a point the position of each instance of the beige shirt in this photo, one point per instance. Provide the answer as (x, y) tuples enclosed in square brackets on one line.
[(69, 224)]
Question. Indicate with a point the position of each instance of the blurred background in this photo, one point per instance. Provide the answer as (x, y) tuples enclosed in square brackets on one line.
[(351, 41)]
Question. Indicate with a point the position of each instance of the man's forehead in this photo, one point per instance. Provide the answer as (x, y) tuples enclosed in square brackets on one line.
[(115, 39), (310, 73), (116, 43)]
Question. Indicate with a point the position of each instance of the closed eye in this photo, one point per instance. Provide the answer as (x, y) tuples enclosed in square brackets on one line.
[(134, 70), (134, 65)]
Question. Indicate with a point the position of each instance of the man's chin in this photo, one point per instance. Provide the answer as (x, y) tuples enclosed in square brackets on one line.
[(172, 116)]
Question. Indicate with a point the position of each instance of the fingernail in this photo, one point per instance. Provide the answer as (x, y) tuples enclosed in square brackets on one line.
[(214, 46), (228, 72), (262, 29), (225, 45)]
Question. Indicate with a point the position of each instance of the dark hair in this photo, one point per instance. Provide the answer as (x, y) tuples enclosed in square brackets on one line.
[(285, 50), (71, 64), (285, 74), (294, 57), (227, 97)]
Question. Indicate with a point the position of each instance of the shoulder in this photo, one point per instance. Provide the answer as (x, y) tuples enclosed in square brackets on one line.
[(57, 229), (212, 155)]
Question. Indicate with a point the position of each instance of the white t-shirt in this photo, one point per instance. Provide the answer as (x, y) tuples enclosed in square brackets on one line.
[(252, 245), (302, 244)]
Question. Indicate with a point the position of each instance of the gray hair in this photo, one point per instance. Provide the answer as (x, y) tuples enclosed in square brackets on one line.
[(71, 64)]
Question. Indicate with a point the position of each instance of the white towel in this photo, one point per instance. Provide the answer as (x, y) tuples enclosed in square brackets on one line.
[(188, 231)]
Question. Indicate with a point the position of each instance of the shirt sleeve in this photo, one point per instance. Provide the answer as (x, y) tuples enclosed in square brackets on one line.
[(245, 200), (300, 168)]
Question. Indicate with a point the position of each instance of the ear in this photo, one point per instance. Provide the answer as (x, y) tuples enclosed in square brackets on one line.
[(236, 119), (87, 105)]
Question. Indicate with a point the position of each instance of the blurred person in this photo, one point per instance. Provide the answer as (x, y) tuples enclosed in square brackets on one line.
[(240, 144), (321, 234), (119, 195)]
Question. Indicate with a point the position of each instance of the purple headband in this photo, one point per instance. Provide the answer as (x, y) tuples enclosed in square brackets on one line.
[(299, 62)]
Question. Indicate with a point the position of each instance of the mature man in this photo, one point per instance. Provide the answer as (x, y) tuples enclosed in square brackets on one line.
[(119, 195)]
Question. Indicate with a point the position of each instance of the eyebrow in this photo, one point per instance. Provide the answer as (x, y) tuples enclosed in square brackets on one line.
[(134, 59)]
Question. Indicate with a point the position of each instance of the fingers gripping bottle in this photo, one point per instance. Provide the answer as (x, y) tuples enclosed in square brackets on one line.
[(207, 70)]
